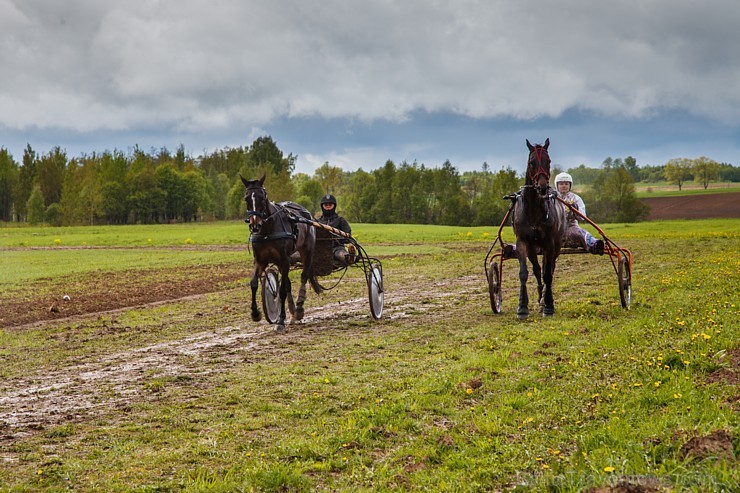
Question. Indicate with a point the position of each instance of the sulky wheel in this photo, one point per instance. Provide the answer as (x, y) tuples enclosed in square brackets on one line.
[(375, 290), (625, 282), (271, 295), (494, 285)]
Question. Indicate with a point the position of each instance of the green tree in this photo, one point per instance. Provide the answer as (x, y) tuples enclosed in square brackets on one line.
[(72, 204), (265, 153), (50, 175), (652, 174), (170, 181), (330, 177), (382, 204), (196, 197), (35, 206), (705, 170), (53, 214), (8, 184), (114, 202), (309, 195), (678, 170), (612, 198), (236, 207), (360, 196), (26, 182), (728, 172), (630, 164)]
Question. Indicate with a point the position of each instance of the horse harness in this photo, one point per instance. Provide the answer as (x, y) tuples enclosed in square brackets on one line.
[(291, 233)]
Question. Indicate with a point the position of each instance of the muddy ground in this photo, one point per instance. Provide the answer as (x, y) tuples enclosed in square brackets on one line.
[(716, 205)]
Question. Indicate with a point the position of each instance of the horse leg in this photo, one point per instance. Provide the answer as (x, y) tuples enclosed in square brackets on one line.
[(549, 300), (254, 284), (291, 304), (523, 310), (537, 271), (284, 290), (301, 297)]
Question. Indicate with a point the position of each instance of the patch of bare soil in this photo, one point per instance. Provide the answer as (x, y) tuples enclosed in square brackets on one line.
[(716, 445), (98, 386), (716, 205), (729, 374), (101, 292), (645, 486)]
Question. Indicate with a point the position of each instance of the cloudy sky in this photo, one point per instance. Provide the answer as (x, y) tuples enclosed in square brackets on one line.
[(358, 82)]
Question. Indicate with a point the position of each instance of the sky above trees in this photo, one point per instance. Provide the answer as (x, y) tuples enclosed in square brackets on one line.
[(358, 83)]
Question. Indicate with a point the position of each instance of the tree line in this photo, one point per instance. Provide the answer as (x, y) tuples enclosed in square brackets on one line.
[(160, 186)]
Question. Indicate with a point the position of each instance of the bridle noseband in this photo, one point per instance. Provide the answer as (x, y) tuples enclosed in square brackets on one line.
[(255, 217), (539, 156)]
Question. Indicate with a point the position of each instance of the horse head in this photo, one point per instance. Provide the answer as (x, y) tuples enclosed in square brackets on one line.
[(255, 196), (538, 166)]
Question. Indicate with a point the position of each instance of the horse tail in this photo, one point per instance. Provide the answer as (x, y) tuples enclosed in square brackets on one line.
[(318, 288)]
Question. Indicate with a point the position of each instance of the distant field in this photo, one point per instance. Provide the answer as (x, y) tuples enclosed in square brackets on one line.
[(664, 189)]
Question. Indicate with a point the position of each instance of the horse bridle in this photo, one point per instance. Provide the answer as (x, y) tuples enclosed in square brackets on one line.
[(540, 153), (264, 216)]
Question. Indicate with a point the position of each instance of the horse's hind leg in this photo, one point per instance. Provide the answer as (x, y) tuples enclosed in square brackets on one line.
[(299, 312), (291, 304), (523, 310)]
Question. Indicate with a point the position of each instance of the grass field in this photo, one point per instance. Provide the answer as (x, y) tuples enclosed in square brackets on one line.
[(188, 394)]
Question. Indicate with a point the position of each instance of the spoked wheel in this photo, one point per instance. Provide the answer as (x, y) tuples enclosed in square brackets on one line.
[(625, 282), (271, 295), (375, 290), (494, 285)]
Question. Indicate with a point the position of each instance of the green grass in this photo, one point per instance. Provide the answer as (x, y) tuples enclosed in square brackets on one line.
[(440, 395), (229, 233)]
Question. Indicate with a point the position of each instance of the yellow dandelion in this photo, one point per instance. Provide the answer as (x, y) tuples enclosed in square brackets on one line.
[(657, 384), (469, 390), (609, 469)]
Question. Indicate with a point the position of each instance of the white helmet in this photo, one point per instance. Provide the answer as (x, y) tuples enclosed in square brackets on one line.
[(563, 177)]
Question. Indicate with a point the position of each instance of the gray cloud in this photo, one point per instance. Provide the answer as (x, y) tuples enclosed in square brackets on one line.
[(87, 65), (356, 83)]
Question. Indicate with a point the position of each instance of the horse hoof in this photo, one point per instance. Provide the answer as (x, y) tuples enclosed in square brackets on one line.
[(523, 314), (256, 316), (299, 312), (549, 312), (280, 328)]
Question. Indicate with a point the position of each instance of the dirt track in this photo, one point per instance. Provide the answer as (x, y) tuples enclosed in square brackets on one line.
[(717, 205)]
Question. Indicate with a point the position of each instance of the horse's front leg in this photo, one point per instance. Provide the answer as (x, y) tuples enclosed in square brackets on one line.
[(537, 271), (523, 310), (254, 284), (549, 300), (284, 290)]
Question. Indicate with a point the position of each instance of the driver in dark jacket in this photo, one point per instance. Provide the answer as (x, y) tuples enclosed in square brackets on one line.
[(330, 217)]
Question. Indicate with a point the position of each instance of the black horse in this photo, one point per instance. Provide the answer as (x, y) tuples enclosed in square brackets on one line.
[(539, 225), (275, 235)]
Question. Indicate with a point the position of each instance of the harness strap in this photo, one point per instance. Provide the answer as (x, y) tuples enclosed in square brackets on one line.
[(274, 236)]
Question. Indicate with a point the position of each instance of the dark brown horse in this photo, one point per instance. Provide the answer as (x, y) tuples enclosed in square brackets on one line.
[(539, 224), (275, 235)]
